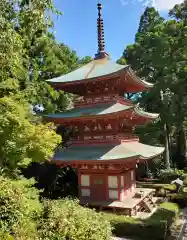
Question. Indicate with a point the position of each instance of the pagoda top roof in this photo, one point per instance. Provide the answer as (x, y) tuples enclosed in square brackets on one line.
[(107, 152), (97, 68), (94, 69)]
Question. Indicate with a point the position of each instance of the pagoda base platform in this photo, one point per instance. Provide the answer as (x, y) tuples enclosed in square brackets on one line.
[(142, 201)]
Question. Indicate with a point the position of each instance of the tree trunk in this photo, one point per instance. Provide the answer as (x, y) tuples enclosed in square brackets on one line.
[(167, 149), (181, 138), (166, 132), (181, 148)]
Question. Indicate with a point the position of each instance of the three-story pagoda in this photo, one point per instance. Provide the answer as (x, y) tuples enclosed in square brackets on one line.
[(105, 150)]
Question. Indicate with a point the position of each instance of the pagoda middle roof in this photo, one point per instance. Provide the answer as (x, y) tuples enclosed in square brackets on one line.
[(104, 152), (100, 109)]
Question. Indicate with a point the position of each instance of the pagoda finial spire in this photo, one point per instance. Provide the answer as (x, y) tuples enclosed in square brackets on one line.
[(100, 31)]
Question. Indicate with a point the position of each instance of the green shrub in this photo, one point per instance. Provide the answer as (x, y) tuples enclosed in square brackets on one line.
[(180, 199), (167, 212), (155, 227), (170, 175), (66, 219), (144, 230), (19, 206), (170, 187), (23, 217)]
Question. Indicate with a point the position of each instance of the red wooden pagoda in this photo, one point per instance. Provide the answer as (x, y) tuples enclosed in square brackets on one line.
[(105, 151)]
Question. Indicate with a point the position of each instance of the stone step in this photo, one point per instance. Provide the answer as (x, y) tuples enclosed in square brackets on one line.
[(149, 201), (148, 206)]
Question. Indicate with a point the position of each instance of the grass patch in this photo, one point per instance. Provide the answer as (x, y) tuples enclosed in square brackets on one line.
[(156, 186), (155, 227), (170, 187)]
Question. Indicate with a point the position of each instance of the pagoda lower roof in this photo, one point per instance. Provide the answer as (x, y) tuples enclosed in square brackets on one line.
[(97, 69), (107, 152), (100, 109)]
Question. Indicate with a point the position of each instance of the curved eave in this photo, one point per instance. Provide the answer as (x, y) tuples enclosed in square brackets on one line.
[(92, 112), (145, 151), (148, 115), (107, 152), (98, 70), (153, 156), (86, 117), (102, 152), (119, 159), (119, 112), (142, 82)]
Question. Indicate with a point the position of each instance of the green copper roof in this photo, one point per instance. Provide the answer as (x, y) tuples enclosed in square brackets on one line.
[(95, 68), (97, 152), (145, 151), (100, 109), (107, 152)]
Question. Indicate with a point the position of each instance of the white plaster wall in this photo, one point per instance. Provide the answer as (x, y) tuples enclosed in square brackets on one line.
[(85, 192), (113, 194), (112, 182), (85, 180), (122, 195), (122, 181), (132, 175)]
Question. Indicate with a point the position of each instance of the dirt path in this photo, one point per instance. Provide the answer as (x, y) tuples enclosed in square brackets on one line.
[(118, 238), (183, 231)]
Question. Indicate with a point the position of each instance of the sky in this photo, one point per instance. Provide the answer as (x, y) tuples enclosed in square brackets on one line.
[(77, 27)]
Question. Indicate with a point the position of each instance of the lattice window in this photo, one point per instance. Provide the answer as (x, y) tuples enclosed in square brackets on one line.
[(98, 181)]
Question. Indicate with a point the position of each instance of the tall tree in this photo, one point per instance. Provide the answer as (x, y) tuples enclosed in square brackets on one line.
[(159, 56), (31, 54)]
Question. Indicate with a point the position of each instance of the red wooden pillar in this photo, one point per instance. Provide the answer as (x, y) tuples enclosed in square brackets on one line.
[(106, 187), (79, 183), (119, 187)]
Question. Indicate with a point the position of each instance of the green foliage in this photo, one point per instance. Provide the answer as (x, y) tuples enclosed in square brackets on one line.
[(155, 227), (30, 54), (22, 216), (170, 175), (19, 209), (159, 55), (22, 138), (65, 219), (55, 182), (180, 199), (11, 61)]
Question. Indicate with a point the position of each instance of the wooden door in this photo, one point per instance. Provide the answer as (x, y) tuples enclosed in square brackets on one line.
[(98, 188)]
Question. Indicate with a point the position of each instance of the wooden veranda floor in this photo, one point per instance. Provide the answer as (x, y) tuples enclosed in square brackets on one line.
[(129, 202)]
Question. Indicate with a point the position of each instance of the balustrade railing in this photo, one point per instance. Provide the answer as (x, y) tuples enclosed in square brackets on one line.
[(105, 137), (100, 99)]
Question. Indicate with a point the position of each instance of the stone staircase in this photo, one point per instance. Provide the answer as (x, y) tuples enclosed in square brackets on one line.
[(147, 205)]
